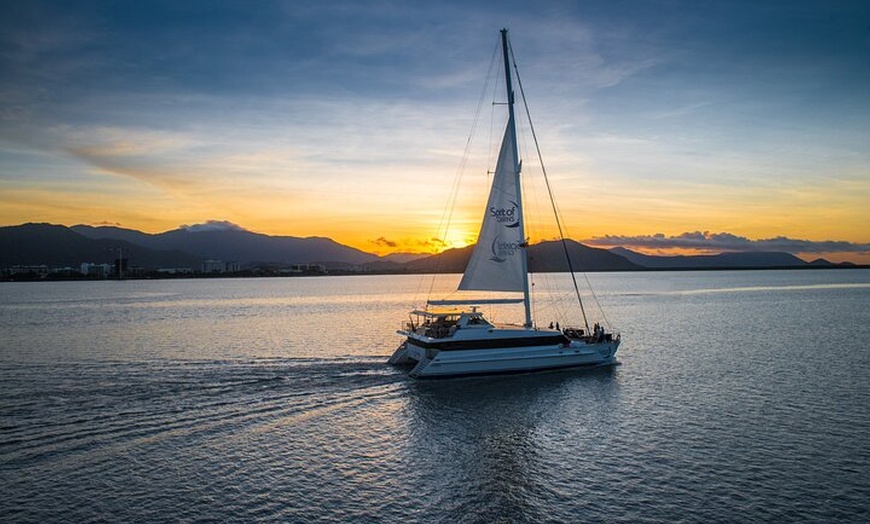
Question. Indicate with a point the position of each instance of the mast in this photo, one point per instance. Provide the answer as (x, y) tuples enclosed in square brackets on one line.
[(512, 127)]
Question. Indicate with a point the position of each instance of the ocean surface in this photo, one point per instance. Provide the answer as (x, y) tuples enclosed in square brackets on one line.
[(740, 397)]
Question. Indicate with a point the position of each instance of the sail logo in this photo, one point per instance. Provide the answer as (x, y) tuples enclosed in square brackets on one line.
[(502, 250), (506, 215)]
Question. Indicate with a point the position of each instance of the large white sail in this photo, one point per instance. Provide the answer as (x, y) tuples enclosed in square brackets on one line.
[(497, 261)]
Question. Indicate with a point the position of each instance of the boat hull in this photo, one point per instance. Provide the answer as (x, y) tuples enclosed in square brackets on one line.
[(428, 361)]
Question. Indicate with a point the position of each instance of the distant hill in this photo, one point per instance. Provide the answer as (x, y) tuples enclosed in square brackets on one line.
[(237, 245), (402, 258), (116, 233), (744, 259), (821, 262), (59, 246), (449, 261), (543, 257), (550, 257)]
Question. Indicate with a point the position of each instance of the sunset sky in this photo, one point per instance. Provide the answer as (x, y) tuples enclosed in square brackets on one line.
[(666, 126)]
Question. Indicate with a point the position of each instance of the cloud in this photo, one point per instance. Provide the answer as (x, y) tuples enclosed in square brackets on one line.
[(383, 242), (707, 241), (213, 225), (115, 141), (432, 243)]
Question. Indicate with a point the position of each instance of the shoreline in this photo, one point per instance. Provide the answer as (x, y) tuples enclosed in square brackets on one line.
[(63, 277)]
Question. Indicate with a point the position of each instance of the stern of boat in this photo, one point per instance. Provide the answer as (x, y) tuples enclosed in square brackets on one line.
[(400, 356)]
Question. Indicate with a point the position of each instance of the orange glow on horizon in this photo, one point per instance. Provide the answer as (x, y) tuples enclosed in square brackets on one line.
[(377, 227), (421, 245)]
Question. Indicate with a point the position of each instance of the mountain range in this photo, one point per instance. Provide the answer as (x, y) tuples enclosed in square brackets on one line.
[(739, 259), (238, 245), (190, 246)]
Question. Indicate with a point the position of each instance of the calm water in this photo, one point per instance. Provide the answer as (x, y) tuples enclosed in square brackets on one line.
[(742, 397)]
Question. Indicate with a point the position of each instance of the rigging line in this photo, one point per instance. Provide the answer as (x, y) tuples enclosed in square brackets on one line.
[(531, 205), (589, 286), (444, 228), (492, 149), (549, 189), (597, 303)]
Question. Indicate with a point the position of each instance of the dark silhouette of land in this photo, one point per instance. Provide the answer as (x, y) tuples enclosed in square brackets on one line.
[(46, 248)]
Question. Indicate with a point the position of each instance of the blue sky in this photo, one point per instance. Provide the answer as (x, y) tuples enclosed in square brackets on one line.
[(345, 119)]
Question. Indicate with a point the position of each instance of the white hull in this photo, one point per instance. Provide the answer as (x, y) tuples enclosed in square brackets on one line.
[(429, 362)]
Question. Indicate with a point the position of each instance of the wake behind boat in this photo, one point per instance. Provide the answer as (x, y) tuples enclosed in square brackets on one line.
[(452, 337)]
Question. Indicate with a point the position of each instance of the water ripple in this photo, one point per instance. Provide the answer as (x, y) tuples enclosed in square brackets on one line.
[(729, 407)]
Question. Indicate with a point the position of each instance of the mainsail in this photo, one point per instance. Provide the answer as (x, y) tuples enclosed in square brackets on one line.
[(498, 260)]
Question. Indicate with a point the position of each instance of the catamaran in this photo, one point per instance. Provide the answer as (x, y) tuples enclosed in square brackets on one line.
[(452, 337)]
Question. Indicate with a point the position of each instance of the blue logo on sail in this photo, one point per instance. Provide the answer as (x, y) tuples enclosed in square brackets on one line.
[(507, 216), (501, 250)]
